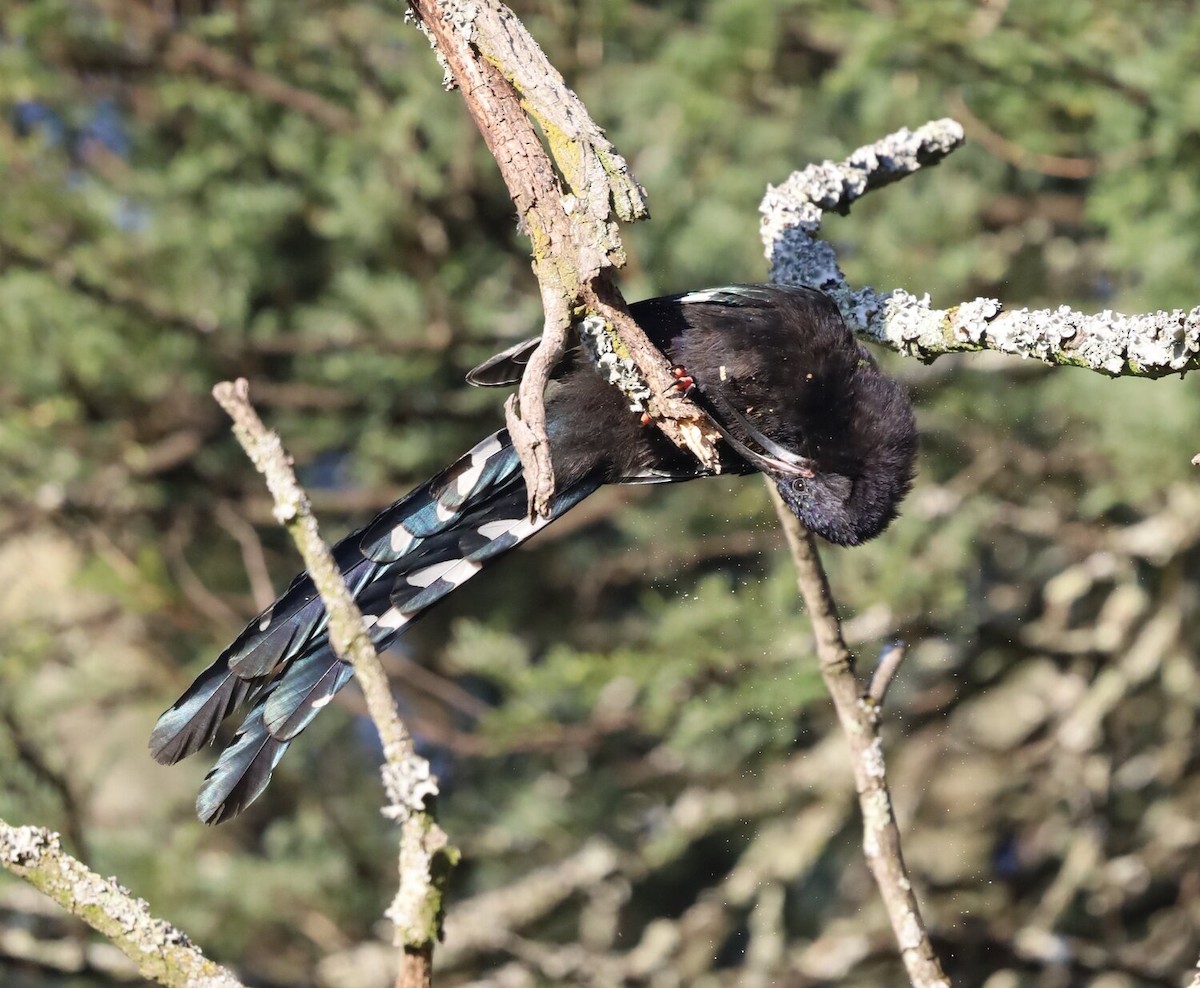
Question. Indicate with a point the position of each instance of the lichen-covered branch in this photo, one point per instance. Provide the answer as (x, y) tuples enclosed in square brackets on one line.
[(425, 855), (598, 177), (1152, 344), (859, 716), (505, 80), (801, 202), (1149, 345), (160, 951)]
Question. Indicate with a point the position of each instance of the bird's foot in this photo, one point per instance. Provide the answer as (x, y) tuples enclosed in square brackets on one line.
[(684, 382)]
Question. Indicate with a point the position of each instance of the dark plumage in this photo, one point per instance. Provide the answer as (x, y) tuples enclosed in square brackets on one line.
[(795, 394)]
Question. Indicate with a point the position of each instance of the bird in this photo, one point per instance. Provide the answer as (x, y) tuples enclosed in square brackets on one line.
[(793, 394)]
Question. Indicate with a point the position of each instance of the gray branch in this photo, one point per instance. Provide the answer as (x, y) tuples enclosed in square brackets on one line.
[(599, 177), (1147, 345), (508, 83), (161, 951), (860, 717), (425, 857)]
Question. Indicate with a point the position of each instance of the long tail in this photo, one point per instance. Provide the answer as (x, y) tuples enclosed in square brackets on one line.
[(407, 559)]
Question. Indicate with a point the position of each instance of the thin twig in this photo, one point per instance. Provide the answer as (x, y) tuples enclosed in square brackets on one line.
[(253, 558), (425, 854), (182, 52), (29, 755), (1056, 165), (160, 951), (189, 582), (107, 290), (885, 671), (859, 718)]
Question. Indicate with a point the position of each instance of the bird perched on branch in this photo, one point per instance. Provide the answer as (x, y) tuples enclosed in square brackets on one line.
[(794, 396)]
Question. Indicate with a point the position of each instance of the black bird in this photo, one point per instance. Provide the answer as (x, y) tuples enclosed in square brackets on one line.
[(795, 395)]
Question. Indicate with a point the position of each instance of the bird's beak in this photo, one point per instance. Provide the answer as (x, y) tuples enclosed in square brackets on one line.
[(740, 433)]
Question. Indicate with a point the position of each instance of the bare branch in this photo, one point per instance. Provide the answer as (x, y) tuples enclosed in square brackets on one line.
[(1149, 345), (29, 754), (1056, 165), (160, 951), (182, 52), (489, 919), (801, 202), (599, 178), (254, 559), (859, 717), (885, 671), (106, 291), (425, 854)]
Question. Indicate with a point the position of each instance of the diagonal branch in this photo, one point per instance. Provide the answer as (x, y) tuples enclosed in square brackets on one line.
[(425, 855), (182, 52), (106, 291), (505, 79), (160, 951)]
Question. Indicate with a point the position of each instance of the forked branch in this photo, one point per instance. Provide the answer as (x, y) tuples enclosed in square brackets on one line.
[(508, 83)]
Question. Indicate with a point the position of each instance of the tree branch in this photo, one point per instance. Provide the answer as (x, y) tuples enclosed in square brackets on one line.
[(425, 855), (505, 78), (183, 52), (105, 291), (860, 716), (1148, 345), (885, 671), (160, 951)]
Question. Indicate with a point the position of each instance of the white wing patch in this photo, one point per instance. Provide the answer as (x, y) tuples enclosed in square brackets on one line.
[(453, 571), (479, 457), (401, 539), (706, 295), (392, 619), (730, 295), (522, 528)]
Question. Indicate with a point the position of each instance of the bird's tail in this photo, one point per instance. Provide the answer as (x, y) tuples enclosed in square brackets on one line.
[(406, 560)]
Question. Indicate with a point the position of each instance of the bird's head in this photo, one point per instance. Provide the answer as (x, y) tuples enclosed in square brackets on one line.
[(859, 473)]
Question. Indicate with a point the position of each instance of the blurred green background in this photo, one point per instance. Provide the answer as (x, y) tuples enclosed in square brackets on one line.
[(637, 758)]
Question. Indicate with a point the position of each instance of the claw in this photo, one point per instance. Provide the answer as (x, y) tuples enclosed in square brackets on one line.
[(684, 382), (768, 456)]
